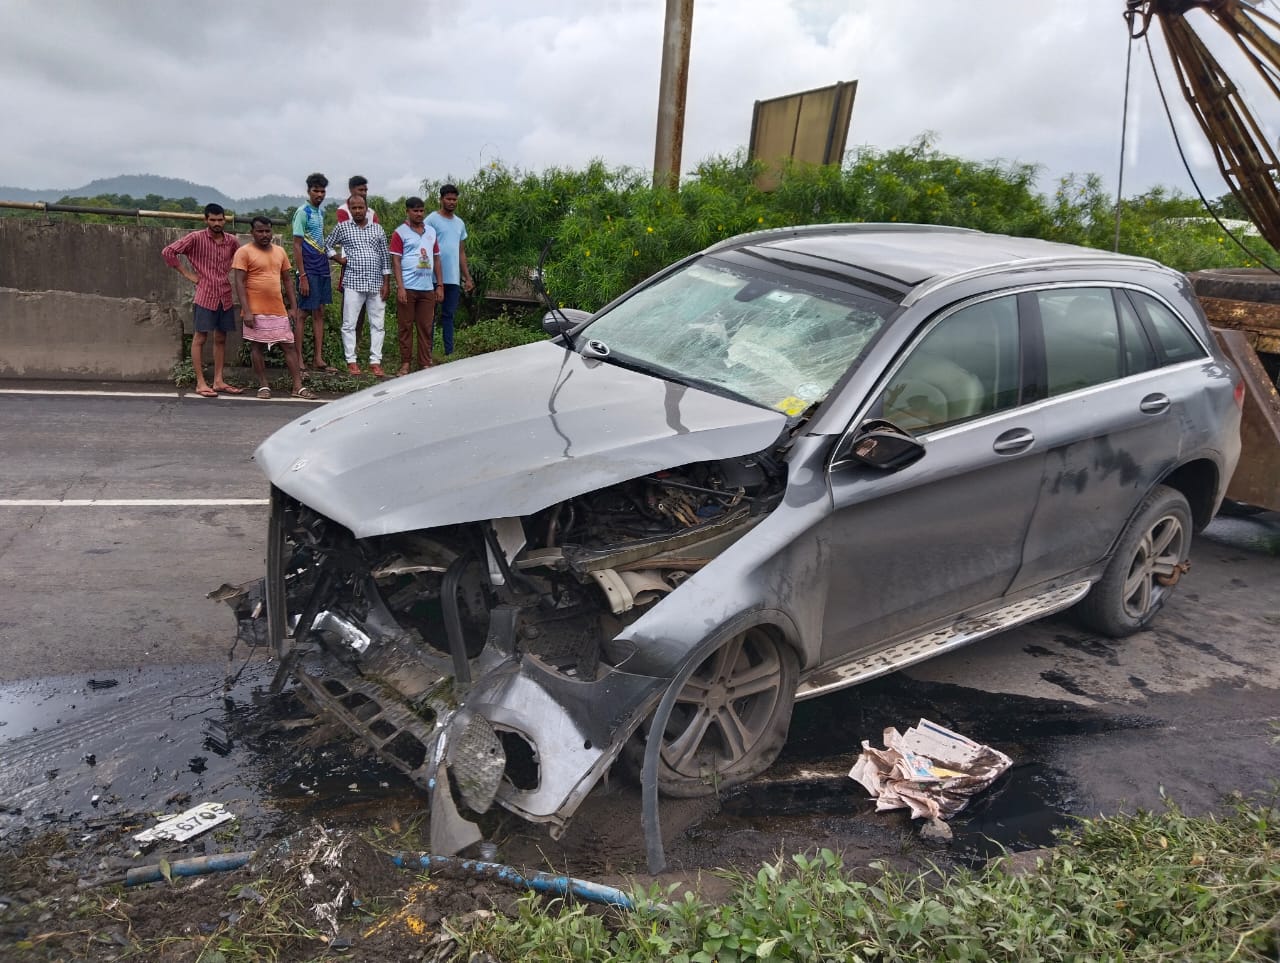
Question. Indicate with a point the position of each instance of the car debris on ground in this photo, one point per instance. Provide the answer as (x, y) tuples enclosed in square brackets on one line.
[(928, 769), (186, 825)]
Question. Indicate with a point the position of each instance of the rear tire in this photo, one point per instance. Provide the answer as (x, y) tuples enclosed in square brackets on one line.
[(1152, 550)]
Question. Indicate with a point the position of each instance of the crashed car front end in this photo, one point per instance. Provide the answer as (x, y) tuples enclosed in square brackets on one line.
[(484, 657), (496, 570)]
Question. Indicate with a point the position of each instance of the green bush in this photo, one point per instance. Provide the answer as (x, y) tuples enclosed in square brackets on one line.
[(1143, 887), (492, 334), (612, 229)]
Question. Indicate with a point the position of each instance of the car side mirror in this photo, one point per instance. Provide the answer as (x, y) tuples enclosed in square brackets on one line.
[(557, 322), (883, 445)]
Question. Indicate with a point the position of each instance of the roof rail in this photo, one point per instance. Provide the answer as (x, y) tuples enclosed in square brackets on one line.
[(1026, 264), (800, 230)]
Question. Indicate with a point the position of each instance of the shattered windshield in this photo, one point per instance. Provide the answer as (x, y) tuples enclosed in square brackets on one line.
[(777, 340)]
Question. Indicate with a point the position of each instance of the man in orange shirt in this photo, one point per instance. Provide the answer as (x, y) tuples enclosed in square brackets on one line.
[(259, 271)]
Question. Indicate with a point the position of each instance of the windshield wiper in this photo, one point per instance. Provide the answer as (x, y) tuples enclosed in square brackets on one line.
[(669, 374)]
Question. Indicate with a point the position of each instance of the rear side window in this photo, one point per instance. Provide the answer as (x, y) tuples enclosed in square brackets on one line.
[(1082, 344), (1139, 356), (1175, 341)]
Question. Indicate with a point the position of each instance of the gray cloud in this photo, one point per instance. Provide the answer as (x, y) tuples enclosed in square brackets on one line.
[(250, 97)]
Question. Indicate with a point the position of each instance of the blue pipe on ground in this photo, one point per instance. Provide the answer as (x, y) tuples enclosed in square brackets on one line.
[(540, 882), (217, 863)]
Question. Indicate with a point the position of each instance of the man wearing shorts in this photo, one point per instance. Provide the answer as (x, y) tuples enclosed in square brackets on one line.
[(209, 252), (314, 285), (258, 272)]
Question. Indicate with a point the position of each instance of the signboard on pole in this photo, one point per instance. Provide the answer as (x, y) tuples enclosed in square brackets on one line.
[(808, 127)]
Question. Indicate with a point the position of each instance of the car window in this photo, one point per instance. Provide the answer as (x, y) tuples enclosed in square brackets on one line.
[(777, 339), (1139, 355), (966, 366), (1176, 342), (1081, 338)]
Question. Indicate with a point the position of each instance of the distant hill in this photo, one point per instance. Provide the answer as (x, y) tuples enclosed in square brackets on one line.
[(140, 185)]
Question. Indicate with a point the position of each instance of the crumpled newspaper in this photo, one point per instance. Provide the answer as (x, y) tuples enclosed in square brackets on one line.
[(928, 769)]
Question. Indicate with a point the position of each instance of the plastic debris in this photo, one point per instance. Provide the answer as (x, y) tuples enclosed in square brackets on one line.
[(185, 825), (928, 769)]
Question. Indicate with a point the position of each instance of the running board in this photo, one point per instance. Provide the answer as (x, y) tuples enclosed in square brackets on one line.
[(902, 654)]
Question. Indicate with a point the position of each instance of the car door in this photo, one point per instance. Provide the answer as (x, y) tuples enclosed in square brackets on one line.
[(925, 542), (1110, 426)]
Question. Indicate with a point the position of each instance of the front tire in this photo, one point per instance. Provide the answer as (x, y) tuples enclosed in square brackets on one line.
[(1149, 560), (731, 718)]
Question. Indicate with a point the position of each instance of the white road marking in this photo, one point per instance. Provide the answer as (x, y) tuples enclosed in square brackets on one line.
[(128, 502), (249, 394)]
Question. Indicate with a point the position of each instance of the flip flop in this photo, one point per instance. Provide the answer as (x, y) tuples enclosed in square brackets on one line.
[(206, 392), (230, 389), (264, 393), (306, 393), (329, 369)]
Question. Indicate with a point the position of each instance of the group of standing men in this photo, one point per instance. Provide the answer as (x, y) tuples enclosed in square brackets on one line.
[(426, 254)]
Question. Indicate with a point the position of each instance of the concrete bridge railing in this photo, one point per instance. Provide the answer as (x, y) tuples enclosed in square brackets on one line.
[(93, 302)]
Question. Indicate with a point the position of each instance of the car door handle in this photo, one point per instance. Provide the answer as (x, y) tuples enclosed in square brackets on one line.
[(1013, 441), (1154, 404)]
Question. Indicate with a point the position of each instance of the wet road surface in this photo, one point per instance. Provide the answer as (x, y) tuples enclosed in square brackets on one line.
[(114, 707)]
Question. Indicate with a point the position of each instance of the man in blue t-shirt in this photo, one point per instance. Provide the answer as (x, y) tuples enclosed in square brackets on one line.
[(452, 235), (315, 288)]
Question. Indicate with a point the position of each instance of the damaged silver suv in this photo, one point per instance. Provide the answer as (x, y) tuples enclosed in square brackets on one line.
[(797, 460)]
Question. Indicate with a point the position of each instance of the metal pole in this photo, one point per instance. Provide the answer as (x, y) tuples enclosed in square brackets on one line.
[(676, 33), (52, 208)]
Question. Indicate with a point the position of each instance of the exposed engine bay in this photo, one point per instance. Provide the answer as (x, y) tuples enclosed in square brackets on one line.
[(482, 659)]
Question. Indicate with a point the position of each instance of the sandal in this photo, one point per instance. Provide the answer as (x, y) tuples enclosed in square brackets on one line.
[(305, 393), (264, 392), (330, 369)]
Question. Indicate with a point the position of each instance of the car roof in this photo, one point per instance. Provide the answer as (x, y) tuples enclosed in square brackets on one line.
[(908, 256)]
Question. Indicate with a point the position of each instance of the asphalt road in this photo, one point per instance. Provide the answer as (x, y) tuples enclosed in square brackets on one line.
[(120, 513), (104, 585)]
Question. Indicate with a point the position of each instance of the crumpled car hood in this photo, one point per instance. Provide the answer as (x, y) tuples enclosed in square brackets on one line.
[(503, 434)]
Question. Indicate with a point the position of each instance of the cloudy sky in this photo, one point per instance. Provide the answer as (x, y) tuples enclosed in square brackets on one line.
[(250, 97)]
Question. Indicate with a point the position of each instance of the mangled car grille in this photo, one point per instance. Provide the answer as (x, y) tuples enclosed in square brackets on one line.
[(483, 656)]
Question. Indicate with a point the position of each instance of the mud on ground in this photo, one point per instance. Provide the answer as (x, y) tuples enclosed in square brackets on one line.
[(323, 820)]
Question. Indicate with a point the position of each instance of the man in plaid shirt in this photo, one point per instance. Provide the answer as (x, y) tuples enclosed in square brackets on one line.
[(209, 252), (365, 281)]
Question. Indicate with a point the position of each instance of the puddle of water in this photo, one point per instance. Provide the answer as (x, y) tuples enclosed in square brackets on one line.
[(1022, 810), (76, 752)]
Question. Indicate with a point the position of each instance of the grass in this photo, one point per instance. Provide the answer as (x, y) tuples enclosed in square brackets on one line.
[(1152, 886)]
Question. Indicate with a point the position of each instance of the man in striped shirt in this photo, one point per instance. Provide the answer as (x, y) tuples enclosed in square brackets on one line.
[(209, 253)]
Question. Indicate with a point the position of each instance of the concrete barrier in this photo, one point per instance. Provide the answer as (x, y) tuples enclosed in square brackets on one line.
[(65, 335), (92, 301)]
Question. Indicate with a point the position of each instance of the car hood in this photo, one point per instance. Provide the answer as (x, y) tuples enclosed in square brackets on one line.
[(499, 435)]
